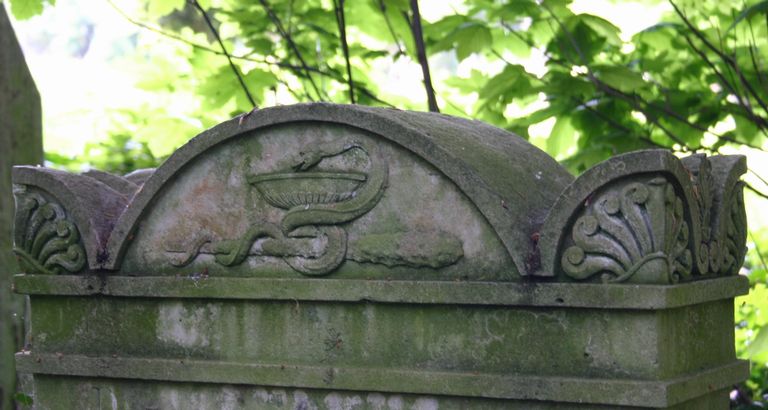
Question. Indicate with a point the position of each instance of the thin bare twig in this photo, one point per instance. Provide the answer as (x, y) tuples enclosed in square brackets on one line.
[(289, 39), (725, 83), (759, 254), (600, 85), (630, 98), (730, 61), (756, 191), (754, 57), (299, 71), (383, 9), (421, 54), (293, 92), (758, 176), (232, 65), (647, 139), (338, 7), (361, 90)]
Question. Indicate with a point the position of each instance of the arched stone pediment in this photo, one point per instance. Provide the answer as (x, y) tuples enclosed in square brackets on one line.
[(401, 190), (361, 192)]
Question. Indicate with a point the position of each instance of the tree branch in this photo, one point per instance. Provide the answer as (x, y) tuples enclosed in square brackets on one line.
[(645, 138), (418, 38), (383, 9), (756, 191), (730, 61), (299, 71), (759, 121), (232, 65), (287, 37), (759, 254), (631, 98), (338, 7), (600, 85)]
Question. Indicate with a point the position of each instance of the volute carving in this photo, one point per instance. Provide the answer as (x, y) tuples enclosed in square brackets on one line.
[(734, 236), (635, 230), (679, 222), (47, 241)]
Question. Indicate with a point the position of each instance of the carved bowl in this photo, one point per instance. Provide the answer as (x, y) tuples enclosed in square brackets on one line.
[(291, 189)]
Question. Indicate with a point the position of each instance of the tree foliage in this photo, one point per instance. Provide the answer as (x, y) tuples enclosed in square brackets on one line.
[(693, 82)]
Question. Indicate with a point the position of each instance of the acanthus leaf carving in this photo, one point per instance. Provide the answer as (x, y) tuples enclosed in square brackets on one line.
[(734, 237), (636, 231), (722, 217), (47, 241), (679, 223)]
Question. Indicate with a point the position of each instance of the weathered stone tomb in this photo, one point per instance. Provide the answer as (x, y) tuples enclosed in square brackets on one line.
[(322, 256)]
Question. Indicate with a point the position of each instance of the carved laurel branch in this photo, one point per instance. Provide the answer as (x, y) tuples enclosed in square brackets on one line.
[(658, 227), (47, 241)]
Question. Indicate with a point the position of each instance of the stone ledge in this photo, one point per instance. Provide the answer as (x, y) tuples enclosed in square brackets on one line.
[(567, 295), (621, 392)]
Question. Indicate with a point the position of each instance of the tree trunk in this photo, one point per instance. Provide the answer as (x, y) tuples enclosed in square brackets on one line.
[(20, 143)]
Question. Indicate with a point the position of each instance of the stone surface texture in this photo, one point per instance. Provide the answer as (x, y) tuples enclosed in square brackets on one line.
[(20, 143), (326, 256)]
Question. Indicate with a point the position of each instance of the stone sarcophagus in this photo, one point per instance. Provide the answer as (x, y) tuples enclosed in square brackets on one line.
[(339, 257)]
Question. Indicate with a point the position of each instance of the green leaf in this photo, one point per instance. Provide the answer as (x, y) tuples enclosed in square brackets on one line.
[(749, 12), (475, 82), (658, 35), (24, 9), (602, 27), (471, 38), (746, 129), (619, 77), (217, 89), (443, 31), (539, 116), (758, 349), (510, 83), (514, 10), (512, 43), (160, 8), (261, 45), (60, 161), (561, 138), (373, 54)]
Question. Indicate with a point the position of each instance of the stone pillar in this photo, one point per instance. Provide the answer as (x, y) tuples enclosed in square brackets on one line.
[(20, 143)]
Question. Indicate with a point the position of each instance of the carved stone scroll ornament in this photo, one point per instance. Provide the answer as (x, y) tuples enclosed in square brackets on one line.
[(47, 241), (735, 233), (723, 218), (634, 230)]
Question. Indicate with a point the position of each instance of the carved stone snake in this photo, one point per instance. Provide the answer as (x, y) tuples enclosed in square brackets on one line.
[(325, 217)]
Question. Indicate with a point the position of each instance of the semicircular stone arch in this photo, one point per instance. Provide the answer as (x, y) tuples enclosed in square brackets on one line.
[(358, 192)]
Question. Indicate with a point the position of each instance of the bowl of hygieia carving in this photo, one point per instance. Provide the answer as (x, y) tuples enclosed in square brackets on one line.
[(291, 189)]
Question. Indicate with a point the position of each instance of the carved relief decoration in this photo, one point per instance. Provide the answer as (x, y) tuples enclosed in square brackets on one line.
[(635, 230), (644, 229), (311, 237), (47, 241), (734, 236), (722, 220)]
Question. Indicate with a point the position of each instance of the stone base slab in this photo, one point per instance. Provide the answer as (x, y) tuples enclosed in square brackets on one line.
[(614, 392)]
